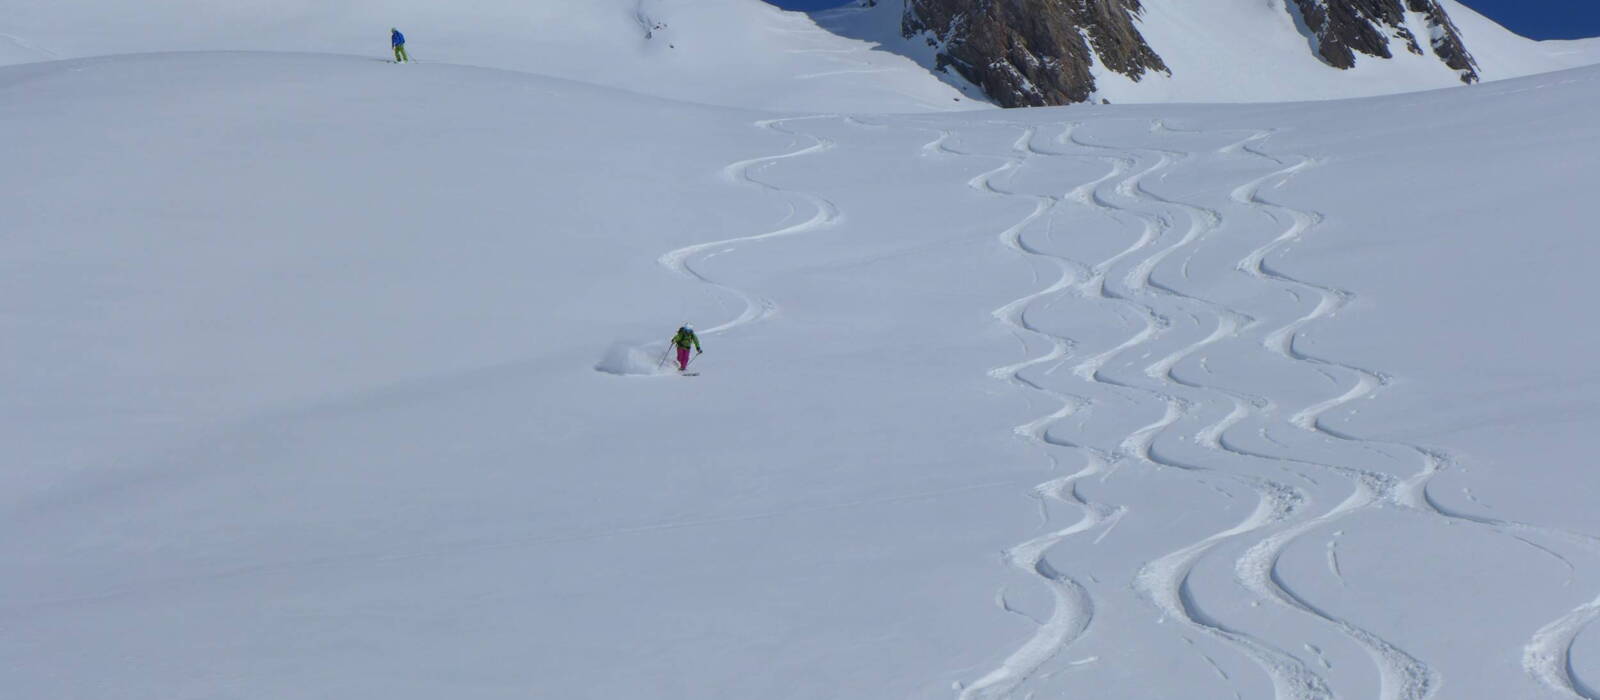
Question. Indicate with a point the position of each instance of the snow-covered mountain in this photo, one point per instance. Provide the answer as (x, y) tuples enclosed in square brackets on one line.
[(1041, 52), (884, 56), (743, 53), (325, 377)]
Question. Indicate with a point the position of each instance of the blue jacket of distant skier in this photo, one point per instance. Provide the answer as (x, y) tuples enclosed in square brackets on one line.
[(396, 38)]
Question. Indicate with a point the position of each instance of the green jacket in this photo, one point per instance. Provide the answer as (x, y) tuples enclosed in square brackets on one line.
[(686, 339)]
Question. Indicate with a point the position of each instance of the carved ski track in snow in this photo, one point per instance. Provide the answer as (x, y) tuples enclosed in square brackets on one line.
[(1164, 585), (1073, 608), (1164, 581), (825, 214), (1547, 656), (1281, 513), (1401, 675)]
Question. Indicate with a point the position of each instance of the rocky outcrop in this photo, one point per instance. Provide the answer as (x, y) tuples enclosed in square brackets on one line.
[(1446, 39), (1026, 53), (1343, 28)]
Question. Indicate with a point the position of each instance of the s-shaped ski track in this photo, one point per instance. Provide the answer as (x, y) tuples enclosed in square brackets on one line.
[(824, 214)]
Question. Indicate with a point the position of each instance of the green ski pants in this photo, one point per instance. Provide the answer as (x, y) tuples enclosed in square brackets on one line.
[(400, 53)]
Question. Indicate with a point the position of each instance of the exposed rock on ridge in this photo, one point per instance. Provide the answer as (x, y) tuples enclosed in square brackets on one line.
[(1030, 53), (1344, 27), (1447, 43)]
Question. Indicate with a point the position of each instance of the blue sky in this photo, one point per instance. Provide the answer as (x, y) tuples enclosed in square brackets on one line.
[(1543, 19), (1540, 19)]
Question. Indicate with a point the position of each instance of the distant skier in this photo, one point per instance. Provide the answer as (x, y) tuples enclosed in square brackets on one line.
[(398, 41), (684, 340)]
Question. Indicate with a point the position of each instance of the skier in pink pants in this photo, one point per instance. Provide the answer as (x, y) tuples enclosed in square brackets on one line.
[(684, 340)]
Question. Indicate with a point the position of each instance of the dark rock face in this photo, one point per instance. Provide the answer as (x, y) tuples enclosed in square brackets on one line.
[(1029, 53), (1343, 28), (1447, 43)]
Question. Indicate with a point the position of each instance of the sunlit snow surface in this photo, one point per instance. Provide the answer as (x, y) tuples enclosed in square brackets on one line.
[(1251, 51), (741, 53), (331, 378)]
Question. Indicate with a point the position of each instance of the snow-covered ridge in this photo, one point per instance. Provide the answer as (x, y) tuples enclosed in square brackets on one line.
[(1200, 401), (746, 53), (1213, 51)]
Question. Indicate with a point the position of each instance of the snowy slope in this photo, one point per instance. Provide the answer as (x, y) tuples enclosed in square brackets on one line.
[(329, 378), (743, 53), (302, 399), (1255, 51), (747, 53), (1504, 54)]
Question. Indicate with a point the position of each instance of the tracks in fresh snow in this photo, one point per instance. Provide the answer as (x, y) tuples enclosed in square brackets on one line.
[(1120, 195), (1547, 656), (1073, 609), (1127, 281), (1273, 441), (1401, 676), (823, 213), (1165, 580)]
